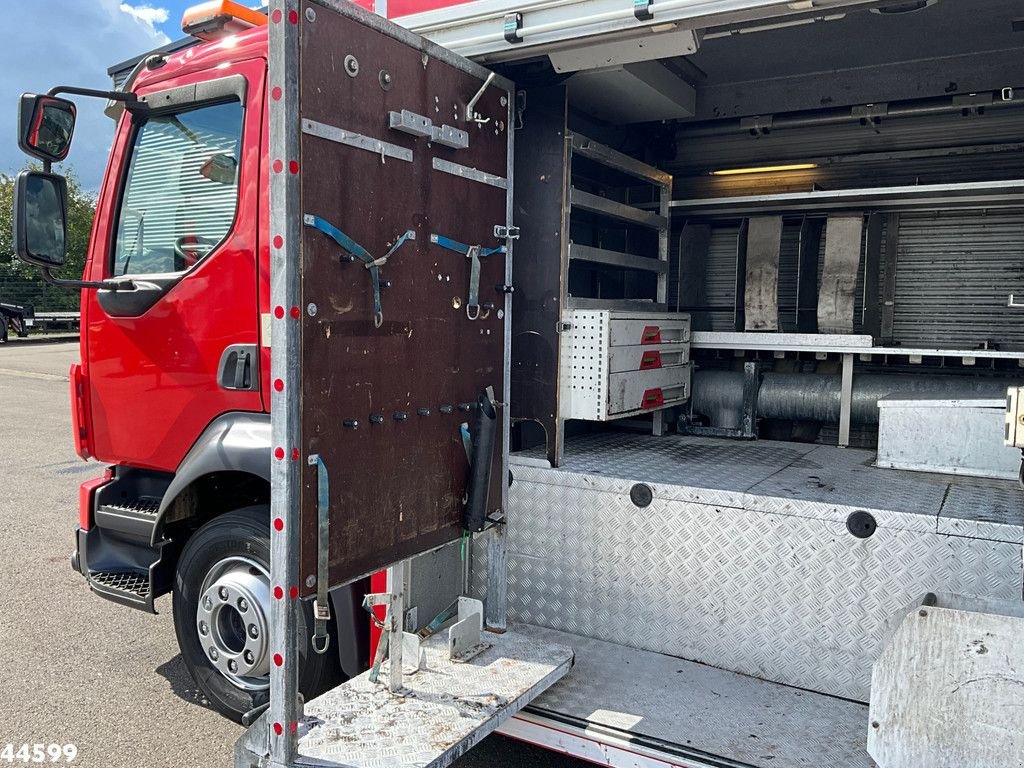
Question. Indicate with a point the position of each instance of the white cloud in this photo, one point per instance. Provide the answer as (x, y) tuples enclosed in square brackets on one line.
[(147, 14), (70, 42)]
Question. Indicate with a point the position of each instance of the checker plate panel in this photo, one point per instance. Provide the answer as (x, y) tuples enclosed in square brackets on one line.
[(766, 585)]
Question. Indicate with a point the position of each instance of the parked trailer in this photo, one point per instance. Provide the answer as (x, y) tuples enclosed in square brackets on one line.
[(14, 317), (658, 351), (57, 321)]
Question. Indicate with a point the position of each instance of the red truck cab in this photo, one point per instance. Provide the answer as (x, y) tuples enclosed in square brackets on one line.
[(172, 391)]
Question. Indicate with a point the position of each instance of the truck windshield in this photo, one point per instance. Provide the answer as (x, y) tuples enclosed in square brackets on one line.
[(180, 196)]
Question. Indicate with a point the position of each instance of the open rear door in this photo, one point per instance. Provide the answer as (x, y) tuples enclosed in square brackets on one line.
[(404, 199), (391, 189)]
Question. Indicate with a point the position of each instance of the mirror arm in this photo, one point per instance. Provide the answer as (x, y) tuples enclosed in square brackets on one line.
[(122, 284), (131, 101)]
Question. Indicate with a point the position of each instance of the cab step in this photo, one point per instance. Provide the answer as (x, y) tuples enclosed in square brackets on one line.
[(132, 517), (131, 588)]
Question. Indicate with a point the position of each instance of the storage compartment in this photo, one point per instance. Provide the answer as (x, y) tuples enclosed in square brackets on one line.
[(624, 363)]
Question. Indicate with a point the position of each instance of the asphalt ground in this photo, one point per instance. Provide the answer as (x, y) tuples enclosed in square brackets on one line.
[(77, 669)]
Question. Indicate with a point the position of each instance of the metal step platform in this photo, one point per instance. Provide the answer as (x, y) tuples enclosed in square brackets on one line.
[(444, 709), (132, 517), (122, 586)]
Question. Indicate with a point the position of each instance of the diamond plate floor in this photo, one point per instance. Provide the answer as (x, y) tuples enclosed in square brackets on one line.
[(701, 710), (813, 480)]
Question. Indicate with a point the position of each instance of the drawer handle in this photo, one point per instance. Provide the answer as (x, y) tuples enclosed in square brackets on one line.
[(650, 360), (651, 335), (653, 398)]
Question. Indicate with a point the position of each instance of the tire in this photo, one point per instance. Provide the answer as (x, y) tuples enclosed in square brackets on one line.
[(229, 557)]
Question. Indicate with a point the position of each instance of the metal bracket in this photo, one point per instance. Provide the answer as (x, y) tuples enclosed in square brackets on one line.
[(321, 638), (411, 123), (356, 251), (642, 10), (465, 637), (506, 233), (511, 25), (870, 115), (471, 114), (759, 125)]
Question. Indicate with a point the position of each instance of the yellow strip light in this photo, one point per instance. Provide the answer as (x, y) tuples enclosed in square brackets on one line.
[(765, 169)]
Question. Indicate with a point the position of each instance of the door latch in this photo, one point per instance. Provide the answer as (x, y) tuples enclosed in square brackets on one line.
[(237, 368)]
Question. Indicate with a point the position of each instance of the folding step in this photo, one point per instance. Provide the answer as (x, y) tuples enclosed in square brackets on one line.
[(131, 588), (445, 708), (132, 517)]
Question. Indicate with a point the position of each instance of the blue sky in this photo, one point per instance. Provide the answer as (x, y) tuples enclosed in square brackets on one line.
[(73, 42)]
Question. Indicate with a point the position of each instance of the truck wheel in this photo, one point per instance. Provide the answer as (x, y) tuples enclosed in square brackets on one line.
[(222, 615)]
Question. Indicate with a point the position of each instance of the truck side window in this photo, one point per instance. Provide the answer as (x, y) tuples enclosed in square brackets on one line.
[(181, 193)]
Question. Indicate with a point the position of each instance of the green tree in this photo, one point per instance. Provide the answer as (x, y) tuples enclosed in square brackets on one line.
[(23, 284)]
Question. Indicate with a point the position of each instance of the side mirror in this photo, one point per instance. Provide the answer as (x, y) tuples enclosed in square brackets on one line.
[(40, 218), (45, 126)]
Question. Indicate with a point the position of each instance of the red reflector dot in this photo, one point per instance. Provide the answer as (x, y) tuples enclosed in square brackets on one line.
[(278, 385), (293, 17), (295, 454), (278, 166), (278, 659), (278, 241), (278, 526), (278, 729), (294, 592), (275, 93), (279, 453), (275, 16), (293, 166), (295, 313), (278, 593), (278, 312), (293, 726)]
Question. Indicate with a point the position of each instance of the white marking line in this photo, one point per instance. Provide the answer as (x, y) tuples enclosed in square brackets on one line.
[(33, 375)]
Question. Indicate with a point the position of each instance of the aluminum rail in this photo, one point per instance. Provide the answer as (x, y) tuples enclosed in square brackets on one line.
[(825, 343), (980, 194), (477, 29)]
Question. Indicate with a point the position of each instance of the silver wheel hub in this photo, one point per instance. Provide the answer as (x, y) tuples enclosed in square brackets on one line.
[(232, 621)]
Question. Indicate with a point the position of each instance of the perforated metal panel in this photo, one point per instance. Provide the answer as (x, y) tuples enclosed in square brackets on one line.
[(588, 373)]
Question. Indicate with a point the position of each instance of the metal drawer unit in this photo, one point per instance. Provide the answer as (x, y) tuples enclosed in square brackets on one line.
[(620, 364)]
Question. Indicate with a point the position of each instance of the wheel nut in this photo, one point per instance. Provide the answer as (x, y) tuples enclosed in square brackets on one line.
[(243, 606), (249, 658), (253, 631), (213, 654), (204, 628), (223, 593), (208, 603), (232, 666)]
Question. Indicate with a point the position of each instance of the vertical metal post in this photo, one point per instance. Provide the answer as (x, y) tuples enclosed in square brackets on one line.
[(664, 195), (846, 401), (496, 605), (398, 588), (285, 403), (871, 311)]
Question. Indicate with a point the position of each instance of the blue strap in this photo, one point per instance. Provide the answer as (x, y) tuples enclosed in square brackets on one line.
[(346, 242), (455, 245)]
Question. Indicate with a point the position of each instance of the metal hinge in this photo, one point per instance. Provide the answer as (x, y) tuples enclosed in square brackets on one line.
[(506, 233)]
